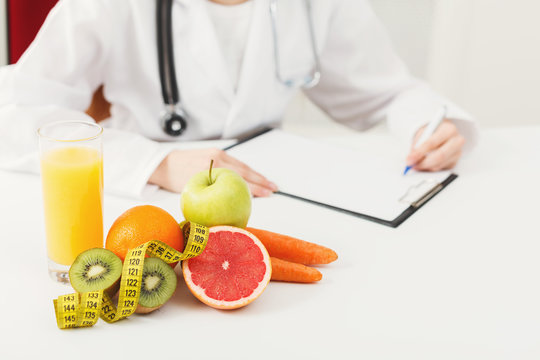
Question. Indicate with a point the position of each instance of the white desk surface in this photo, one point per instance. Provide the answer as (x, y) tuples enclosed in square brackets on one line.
[(458, 280)]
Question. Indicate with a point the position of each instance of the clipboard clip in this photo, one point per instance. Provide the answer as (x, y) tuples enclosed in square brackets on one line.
[(418, 194)]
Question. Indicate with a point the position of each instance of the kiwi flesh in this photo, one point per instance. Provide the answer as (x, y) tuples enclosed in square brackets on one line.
[(96, 269), (157, 286)]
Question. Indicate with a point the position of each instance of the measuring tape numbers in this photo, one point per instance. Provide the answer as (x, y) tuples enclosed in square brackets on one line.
[(83, 309)]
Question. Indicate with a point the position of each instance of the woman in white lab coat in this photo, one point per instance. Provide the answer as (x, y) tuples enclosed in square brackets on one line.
[(224, 57)]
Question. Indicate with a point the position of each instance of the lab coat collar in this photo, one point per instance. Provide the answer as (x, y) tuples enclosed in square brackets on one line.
[(205, 47), (257, 41), (185, 3), (256, 74)]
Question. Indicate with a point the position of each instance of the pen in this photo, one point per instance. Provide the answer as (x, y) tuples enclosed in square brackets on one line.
[(430, 129)]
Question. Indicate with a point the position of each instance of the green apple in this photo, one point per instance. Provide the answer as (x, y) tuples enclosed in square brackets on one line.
[(217, 197)]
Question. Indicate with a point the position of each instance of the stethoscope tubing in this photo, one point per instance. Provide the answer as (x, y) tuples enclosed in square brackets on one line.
[(314, 76), (174, 119), (167, 71)]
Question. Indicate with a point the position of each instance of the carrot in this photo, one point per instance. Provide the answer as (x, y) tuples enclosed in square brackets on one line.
[(288, 271), (295, 250)]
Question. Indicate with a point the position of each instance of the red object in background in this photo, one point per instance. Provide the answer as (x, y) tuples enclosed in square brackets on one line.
[(25, 17)]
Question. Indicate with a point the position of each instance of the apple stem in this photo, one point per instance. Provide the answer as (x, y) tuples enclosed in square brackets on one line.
[(210, 172)]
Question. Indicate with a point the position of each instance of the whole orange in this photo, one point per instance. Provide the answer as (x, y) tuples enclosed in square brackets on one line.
[(141, 224)]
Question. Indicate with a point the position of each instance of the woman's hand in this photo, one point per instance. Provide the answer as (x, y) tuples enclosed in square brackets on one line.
[(439, 152), (180, 165)]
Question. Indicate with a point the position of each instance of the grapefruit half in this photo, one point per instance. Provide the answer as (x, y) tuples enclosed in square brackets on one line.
[(233, 270)]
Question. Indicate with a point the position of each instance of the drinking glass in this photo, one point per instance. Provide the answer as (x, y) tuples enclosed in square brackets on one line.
[(71, 156)]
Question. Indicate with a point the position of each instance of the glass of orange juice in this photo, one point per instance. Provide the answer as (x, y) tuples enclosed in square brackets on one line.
[(71, 158)]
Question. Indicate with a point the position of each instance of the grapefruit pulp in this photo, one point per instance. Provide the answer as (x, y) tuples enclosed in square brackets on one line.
[(233, 270)]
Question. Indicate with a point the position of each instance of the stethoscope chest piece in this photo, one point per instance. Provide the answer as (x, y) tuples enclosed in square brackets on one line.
[(173, 122)]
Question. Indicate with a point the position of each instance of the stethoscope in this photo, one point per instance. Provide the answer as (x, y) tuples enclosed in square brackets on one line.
[(174, 117)]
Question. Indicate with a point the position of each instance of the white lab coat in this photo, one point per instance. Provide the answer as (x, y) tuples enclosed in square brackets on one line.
[(85, 43)]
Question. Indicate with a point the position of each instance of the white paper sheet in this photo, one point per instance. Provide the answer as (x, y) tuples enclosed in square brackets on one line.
[(368, 183)]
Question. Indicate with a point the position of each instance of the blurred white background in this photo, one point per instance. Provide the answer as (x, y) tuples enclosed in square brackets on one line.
[(483, 54)]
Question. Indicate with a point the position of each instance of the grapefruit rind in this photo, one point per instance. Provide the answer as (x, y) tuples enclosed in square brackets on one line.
[(200, 293)]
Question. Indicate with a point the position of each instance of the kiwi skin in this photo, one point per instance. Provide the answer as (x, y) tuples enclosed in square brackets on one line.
[(113, 289), (146, 310), (165, 268)]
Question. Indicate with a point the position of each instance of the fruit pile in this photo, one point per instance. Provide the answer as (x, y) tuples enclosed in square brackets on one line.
[(232, 271)]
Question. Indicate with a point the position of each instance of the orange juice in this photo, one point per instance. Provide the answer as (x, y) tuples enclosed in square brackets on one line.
[(72, 180)]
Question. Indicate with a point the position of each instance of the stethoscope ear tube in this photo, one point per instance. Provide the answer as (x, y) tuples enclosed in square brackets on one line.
[(310, 80), (173, 121)]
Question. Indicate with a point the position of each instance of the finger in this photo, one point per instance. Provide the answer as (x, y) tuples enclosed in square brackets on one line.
[(452, 161), (255, 178), (441, 157), (258, 190), (449, 164), (446, 131), (249, 174)]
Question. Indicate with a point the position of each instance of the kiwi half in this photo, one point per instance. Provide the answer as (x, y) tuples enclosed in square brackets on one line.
[(157, 286), (96, 269)]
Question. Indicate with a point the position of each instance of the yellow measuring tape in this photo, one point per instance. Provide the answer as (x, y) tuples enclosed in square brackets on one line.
[(82, 310)]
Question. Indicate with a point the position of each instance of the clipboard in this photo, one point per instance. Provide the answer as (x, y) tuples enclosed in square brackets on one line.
[(380, 194)]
